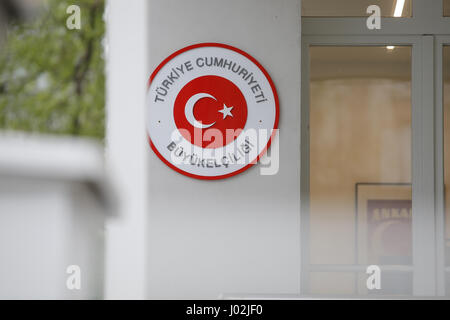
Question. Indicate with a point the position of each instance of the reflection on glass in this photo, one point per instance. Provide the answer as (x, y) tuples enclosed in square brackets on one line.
[(360, 168), (446, 8), (446, 67), (355, 8)]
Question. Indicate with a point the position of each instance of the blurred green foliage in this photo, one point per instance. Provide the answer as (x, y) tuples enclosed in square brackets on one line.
[(51, 78)]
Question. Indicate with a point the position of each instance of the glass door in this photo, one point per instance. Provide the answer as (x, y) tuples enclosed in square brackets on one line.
[(375, 155), (367, 158), (360, 168)]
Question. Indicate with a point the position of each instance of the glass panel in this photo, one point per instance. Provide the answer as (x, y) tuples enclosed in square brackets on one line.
[(360, 164), (446, 67), (342, 283), (355, 8), (446, 8), (333, 283)]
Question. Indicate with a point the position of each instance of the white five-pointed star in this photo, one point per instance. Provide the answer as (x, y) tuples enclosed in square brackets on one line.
[(226, 111)]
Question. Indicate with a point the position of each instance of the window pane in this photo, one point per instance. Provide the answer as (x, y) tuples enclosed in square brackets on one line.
[(446, 66), (355, 8), (342, 283), (360, 164), (446, 8)]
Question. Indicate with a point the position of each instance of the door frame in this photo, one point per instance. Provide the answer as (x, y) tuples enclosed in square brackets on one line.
[(427, 156), (441, 269)]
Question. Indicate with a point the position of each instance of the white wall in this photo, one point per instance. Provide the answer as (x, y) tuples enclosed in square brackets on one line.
[(240, 235), (126, 150)]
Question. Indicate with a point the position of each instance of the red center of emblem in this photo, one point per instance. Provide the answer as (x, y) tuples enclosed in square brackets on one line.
[(210, 111)]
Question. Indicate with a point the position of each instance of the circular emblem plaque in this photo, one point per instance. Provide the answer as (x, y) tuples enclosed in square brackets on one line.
[(212, 111)]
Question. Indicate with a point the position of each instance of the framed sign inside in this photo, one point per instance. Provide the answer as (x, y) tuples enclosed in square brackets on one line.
[(384, 234)]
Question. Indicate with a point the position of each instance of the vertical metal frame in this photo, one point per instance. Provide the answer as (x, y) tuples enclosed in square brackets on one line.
[(304, 170), (423, 169), (424, 175), (440, 42)]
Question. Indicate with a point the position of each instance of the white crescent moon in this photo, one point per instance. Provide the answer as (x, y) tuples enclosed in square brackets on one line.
[(189, 110)]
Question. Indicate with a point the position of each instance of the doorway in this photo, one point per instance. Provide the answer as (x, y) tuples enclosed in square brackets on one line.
[(373, 155)]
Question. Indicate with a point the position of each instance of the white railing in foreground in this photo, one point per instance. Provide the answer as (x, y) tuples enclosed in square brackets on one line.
[(54, 198)]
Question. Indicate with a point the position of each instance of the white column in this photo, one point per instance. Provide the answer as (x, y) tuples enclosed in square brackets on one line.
[(126, 151)]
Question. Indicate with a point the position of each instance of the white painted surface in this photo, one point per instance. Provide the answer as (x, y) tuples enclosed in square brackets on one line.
[(126, 150), (52, 212), (51, 157), (241, 235)]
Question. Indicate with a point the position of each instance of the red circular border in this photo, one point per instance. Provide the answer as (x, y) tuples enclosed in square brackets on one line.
[(277, 107)]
